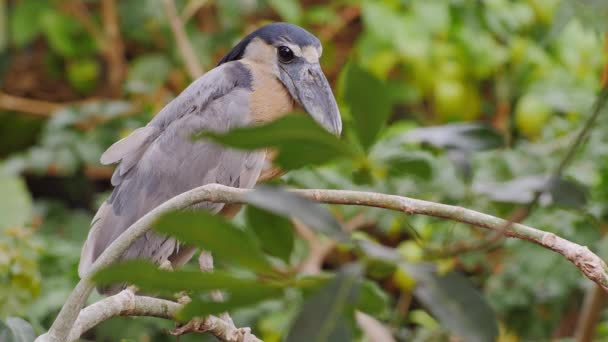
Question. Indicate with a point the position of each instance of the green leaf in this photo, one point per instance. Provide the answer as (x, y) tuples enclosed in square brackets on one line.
[(455, 302), (299, 139), (590, 13), (214, 234), (149, 277), (384, 22), (368, 101), (311, 283), (15, 202), (24, 21), (408, 164), (373, 300), (460, 136), (289, 10), (376, 252), (323, 316), (274, 232), (288, 204), (147, 73), (15, 329), (522, 190), (66, 36), (234, 299)]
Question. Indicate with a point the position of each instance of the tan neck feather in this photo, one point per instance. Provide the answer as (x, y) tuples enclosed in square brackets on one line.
[(269, 99)]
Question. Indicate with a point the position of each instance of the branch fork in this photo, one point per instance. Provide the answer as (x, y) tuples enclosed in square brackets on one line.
[(591, 265)]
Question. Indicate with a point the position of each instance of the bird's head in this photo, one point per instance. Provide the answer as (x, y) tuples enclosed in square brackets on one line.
[(293, 56)]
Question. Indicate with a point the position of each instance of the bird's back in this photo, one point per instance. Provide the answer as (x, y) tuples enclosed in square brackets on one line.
[(160, 161)]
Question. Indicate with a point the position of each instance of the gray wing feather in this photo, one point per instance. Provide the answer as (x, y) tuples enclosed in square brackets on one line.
[(160, 161)]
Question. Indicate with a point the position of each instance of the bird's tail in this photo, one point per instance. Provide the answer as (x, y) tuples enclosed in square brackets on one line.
[(95, 244)]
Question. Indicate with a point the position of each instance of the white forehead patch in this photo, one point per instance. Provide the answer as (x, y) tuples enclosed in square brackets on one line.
[(311, 53), (260, 51)]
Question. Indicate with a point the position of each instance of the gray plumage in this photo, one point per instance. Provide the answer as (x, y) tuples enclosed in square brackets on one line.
[(160, 161)]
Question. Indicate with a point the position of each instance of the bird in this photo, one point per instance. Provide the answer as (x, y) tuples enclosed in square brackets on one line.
[(271, 72)]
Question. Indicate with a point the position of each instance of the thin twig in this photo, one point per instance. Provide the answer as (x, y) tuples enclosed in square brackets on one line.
[(28, 106), (191, 8), (319, 249), (81, 13), (522, 213), (205, 264), (595, 297), (348, 15), (113, 46), (183, 44), (126, 303), (592, 266)]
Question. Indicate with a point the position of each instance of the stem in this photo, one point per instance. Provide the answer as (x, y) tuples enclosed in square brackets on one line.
[(595, 298), (592, 266), (181, 38), (126, 303)]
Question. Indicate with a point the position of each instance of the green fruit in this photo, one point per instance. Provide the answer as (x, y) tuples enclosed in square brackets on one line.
[(451, 70), (455, 101), (423, 75), (544, 10), (519, 48), (83, 74), (531, 115)]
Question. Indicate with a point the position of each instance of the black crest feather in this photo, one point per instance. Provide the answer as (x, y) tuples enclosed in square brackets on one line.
[(271, 34)]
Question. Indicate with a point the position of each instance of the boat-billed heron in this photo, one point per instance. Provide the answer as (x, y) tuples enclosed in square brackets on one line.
[(271, 72)]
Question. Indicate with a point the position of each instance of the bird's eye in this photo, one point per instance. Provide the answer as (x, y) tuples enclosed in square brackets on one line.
[(285, 54)]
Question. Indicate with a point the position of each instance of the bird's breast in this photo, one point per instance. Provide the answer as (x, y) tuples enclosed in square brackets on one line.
[(269, 98)]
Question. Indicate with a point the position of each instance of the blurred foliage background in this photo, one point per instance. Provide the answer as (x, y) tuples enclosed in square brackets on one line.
[(77, 75)]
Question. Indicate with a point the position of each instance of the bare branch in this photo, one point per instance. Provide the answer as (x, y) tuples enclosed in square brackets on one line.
[(592, 266), (81, 13), (113, 47), (191, 8), (126, 303), (29, 106), (373, 330), (595, 299), (183, 44)]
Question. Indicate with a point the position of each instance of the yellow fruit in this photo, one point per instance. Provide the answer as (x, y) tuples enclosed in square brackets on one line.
[(83, 74), (451, 70), (531, 115), (544, 10), (456, 101), (404, 281)]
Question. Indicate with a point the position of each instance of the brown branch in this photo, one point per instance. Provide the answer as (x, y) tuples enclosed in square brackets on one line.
[(205, 264), (348, 15), (126, 303), (183, 44), (191, 8), (592, 266), (81, 13), (28, 106), (373, 330), (113, 46), (319, 249), (604, 78), (317, 252), (595, 297), (522, 213)]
